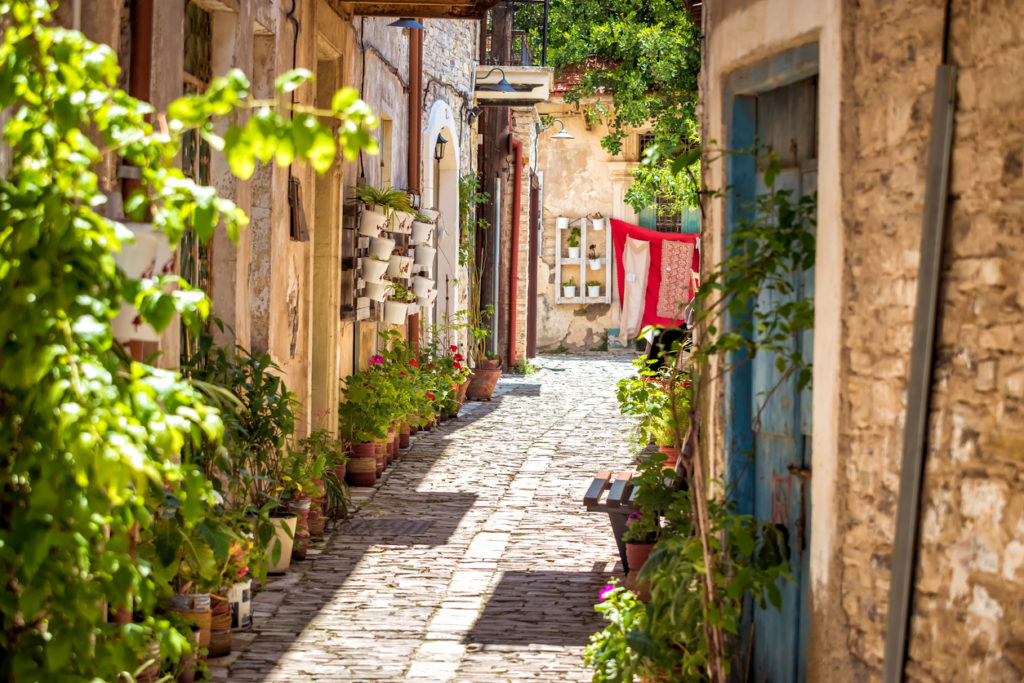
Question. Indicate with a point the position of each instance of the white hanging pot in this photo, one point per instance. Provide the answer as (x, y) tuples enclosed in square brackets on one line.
[(377, 291), (381, 247), (421, 285), (395, 312), (595, 264), (431, 214), (423, 301), (399, 266), (402, 222), (373, 270), (425, 255), (372, 223), (598, 224), (574, 252), (148, 257), (569, 292), (561, 222), (422, 233), (594, 290)]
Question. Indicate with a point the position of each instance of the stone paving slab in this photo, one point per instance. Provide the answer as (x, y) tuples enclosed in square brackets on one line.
[(500, 586)]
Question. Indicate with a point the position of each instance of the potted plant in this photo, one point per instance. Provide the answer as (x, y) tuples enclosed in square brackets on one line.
[(379, 208), (422, 230), (425, 255), (561, 223), (640, 536), (592, 258), (569, 288), (396, 309), (377, 291), (573, 242), (593, 288), (381, 248), (598, 220), (400, 266)]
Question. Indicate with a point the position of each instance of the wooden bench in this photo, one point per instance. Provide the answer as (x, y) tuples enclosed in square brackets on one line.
[(620, 499)]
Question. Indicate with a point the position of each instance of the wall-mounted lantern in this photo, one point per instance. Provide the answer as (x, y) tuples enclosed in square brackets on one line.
[(439, 147), (406, 22), (501, 86)]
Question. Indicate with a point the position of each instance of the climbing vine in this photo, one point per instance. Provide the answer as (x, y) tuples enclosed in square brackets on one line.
[(90, 440)]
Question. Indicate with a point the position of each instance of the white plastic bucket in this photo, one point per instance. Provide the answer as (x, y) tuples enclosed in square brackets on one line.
[(569, 292), (574, 252), (425, 255), (598, 224), (595, 264), (372, 223), (377, 291), (422, 233), (381, 247), (399, 266), (421, 285), (402, 222), (594, 291), (561, 222), (373, 270), (395, 312)]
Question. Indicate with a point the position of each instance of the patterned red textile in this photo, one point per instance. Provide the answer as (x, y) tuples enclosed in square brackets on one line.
[(620, 231)]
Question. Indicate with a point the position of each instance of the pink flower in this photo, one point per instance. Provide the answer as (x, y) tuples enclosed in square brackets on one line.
[(633, 517), (376, 359), (603, 595)]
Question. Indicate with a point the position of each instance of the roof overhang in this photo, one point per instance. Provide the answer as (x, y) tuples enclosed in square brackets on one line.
[(425, 9), (532, 85)]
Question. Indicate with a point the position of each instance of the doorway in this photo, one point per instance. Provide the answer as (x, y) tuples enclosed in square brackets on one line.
[(773, 107)]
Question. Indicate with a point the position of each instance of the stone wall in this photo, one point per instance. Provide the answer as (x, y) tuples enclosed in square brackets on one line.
[(971, 561), (579, 179)]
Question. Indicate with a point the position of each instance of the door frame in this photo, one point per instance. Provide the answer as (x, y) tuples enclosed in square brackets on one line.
[(739, 112)]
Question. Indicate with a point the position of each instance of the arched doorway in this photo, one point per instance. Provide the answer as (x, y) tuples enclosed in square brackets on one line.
[(441, 193)]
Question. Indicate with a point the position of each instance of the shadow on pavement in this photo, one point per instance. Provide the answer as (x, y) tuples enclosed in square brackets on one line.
[(541, 608)]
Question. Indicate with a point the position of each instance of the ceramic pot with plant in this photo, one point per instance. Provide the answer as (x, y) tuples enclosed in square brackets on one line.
[(373, 269), (569, 288), (593, 288), (484, 378), (399, 266), (640, 536), (573, 243), (561, 223), (598, 220), (381, 204), (422, 230), (377, 291), (425, 255), (592, 258), (381, 248)]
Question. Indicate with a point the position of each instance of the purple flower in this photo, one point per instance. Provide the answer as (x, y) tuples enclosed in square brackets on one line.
[(376, 359), (633, 516), (603, 595)]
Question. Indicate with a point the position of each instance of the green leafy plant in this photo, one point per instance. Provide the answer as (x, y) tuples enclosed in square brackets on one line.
[(523, 367), (598, 215), (92, 470), (574, 237), (389, 198), (593, 283), (571, 282), (478, 314)]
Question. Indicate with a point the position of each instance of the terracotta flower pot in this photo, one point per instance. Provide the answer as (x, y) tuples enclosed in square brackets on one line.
[(637, 554), (317, 517), (462, 391), (483, 380), (671, 454), (380, 450), (362, 465)]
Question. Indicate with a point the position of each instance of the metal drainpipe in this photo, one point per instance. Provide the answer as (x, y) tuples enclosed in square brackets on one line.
[(415, 138), (915, 435), (513, 270), (496, 238)]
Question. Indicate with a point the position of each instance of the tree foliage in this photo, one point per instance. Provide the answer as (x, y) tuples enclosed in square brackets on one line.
[(641, 63), (89, 439)]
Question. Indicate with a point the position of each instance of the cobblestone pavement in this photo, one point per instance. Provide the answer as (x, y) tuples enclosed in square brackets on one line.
[(471, 560)]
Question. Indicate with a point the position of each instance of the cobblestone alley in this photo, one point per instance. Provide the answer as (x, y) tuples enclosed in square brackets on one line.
[(472, 560)]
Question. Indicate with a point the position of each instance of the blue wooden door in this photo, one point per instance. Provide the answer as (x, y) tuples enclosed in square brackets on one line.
[(781, 414)]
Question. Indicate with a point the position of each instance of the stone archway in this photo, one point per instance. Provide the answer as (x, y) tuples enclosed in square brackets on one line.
[(441, 193)]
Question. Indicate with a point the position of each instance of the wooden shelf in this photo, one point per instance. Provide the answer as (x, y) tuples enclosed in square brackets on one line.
[(580, 267)]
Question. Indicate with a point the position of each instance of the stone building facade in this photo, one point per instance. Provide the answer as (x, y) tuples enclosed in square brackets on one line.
[(872, 66), (275, 291)]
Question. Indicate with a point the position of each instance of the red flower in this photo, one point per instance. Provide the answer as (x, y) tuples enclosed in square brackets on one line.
[(430, 396), (414, 363), (454, 348), (458, 356), (458, 366), (686, 384), (402, 373)]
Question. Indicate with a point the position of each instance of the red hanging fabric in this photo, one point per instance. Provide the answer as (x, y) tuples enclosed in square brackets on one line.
[(676, 279)]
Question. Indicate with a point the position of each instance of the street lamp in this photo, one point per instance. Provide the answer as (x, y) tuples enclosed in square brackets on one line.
[(501, 86), (406, 22), (439, 148), (562, 133)]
